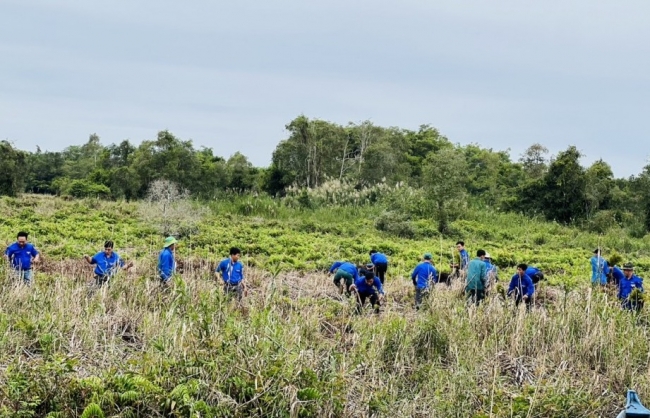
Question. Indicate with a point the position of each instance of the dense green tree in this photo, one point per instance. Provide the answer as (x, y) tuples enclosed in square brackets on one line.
[(420, 144), (444, 174), (599, 187), (12, 169), (562, 192), (213, 174), (241, 173), (166, 158), (42, 169), (534, 161)]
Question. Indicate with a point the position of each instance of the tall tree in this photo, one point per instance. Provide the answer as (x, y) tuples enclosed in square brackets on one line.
[(444, 176), (534, 161), (563, 188), (43, 168), (241, 173), (12, 169), (422, 142), (599, 187)]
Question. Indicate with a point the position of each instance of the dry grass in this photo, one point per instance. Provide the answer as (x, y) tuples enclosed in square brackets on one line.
[(295, 348)]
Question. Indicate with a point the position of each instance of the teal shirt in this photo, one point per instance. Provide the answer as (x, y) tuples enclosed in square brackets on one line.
[(476, 275)]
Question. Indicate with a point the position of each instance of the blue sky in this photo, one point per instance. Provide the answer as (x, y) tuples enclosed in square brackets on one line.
[(230, 75)]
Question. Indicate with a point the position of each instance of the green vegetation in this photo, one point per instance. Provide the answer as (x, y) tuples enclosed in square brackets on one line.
[(362, 155), (295, 349)]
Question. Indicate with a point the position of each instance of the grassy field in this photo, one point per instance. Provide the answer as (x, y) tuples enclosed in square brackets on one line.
[(295, 349)]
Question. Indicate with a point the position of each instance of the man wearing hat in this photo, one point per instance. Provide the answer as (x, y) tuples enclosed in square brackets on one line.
[(599, 269), (166, 260), (627, 285), (423, 274)]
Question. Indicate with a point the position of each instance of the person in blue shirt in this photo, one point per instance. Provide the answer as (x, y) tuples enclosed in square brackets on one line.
[(380, 262), (368, 287), (22, 254), (535, 274), (464, 256), (459, 269), (346, 272), (599, 269), (232, 274), (615, 275), (423, 275), (107, 263), (522, 287), (630, 282), (167, 261), (492, 270)]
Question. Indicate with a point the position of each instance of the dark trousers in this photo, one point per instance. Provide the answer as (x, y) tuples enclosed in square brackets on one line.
[(519, 298), (101, 280), (631, 305), (420, 294), (380, 271), (475, 296), (361, 300), (234, 289)]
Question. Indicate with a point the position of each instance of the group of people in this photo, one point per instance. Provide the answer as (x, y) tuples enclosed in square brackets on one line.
[(629, 285), (366, 282), (478, 274), (22, 256)]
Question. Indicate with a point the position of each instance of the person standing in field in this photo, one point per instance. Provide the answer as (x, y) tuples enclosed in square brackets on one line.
[(492, 270), (21, 255), (626, 286), (167, 261), (106, 263), (345, 272), (599, 269), (464, 256), (476, 279), (231, 270), (522, 287), (457, 270), (380, 261), (368, 287), (423, 275)]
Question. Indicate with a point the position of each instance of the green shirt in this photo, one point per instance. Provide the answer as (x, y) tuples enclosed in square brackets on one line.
[(476, 275)]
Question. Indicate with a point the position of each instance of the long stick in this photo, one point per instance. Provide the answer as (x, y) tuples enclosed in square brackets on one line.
[(600, 268)]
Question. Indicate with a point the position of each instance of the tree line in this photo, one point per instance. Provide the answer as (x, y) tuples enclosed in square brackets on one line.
[(556, 187)]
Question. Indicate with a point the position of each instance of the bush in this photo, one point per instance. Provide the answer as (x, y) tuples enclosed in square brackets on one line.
[(84, 188), (395, 224), (602, 222)]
